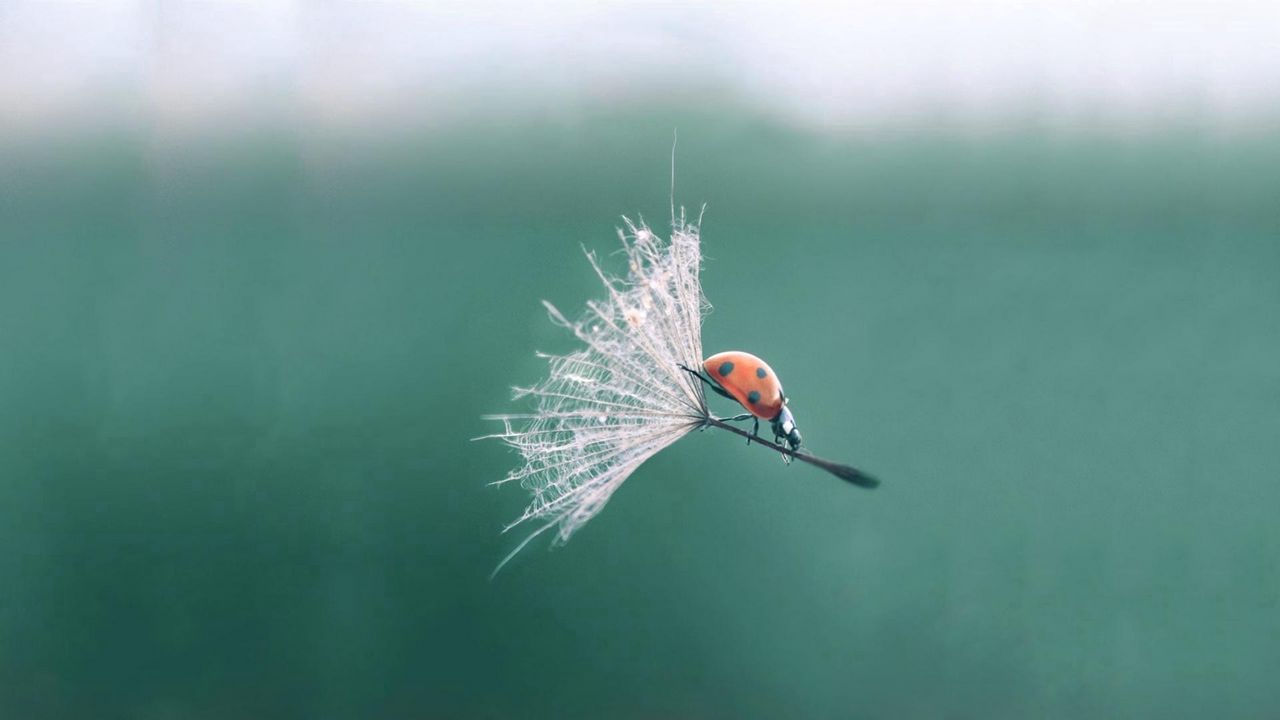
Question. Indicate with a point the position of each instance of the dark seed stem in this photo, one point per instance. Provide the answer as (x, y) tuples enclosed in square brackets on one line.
[(844, 472)]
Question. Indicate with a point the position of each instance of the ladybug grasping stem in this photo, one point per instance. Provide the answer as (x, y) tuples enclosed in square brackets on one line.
[(749, 381)]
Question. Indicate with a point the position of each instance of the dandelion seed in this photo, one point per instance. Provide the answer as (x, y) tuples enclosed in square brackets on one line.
[(605, 409), (629, 392)]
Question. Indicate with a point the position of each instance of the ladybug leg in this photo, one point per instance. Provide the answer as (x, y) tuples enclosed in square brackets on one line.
[(777, 440), (719, 390), (746, 416), (755, 430)]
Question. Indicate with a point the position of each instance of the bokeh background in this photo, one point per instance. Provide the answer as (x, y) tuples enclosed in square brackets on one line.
[(263, 266)]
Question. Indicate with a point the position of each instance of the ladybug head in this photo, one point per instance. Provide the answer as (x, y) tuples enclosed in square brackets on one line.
[(784, 426)]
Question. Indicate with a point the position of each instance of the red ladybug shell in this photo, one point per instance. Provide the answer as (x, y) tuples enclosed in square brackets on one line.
[(749, 380)]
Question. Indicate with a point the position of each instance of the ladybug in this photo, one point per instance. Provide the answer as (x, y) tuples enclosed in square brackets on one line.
[(750, 381)]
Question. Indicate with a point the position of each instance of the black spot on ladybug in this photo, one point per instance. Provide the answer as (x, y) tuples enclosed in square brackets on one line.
[(725, 369), (760, 373), (753, 397)]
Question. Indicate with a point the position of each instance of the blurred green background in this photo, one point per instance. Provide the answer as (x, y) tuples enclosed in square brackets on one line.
[(239, 379)]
